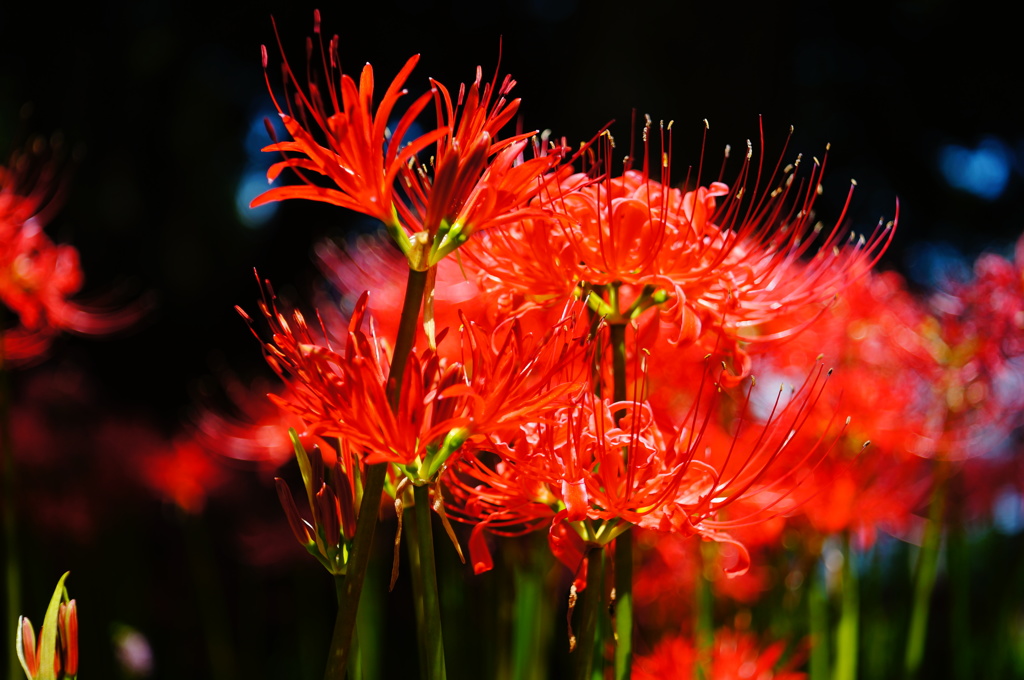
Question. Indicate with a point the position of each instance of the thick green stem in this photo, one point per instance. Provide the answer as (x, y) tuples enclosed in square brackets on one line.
[(624, 543), (848, 631), (924, 577), (533, 613), (624, 606), (425, 594), (376, 475), (345, 623), (355, 665), (406, 334), (412, 546), (590, 609)]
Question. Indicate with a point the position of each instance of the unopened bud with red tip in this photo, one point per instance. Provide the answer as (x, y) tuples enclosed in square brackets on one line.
[(329, 521), (28, 652), (298, 525), (67, 625), (346, 502)]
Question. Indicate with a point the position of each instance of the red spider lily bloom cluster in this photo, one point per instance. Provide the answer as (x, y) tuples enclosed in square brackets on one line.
[(475, 180), (593, 476), (925, 381), (873, 337), (708, 259), (508, 420), (504, 379), (37, 276)]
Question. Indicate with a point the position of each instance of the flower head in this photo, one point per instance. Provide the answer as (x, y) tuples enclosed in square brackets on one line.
[(504, 379), (592, 475), (719, 262), (37, 276), (475, 180)]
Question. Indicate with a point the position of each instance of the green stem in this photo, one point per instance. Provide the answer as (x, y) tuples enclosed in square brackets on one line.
[(414, 290), (12, 572), (624, 543), (624, 606), (412, 546), (817, 604), (355, 665), (376, 475), (924, 577), (590, 609), (532, 616), (848, 631), (704, 624), (424, 579), (958, 562)]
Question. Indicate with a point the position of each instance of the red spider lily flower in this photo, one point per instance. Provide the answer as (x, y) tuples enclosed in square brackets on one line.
[(37, 276), (571, 470), (734, 655), (488, 492), (978, 360), (715, 258), (889, 355), (868, 492), (475, 180), (985, 315), (504, 379)]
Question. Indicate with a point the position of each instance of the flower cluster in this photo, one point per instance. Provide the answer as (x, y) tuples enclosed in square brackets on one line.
[(37, 276), (585, 367), (521, 445)]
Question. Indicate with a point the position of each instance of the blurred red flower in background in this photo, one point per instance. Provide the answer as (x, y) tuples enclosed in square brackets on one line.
[(733, 656), (37, 276)]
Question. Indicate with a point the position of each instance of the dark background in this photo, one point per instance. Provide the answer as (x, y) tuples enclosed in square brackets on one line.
[(160, 108)]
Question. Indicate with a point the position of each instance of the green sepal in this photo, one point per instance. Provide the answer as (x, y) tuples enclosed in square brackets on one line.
[(48, 647), (649, 297), (595, 302), (397, 233), (447, 241), (453, 441), (305, 467)]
